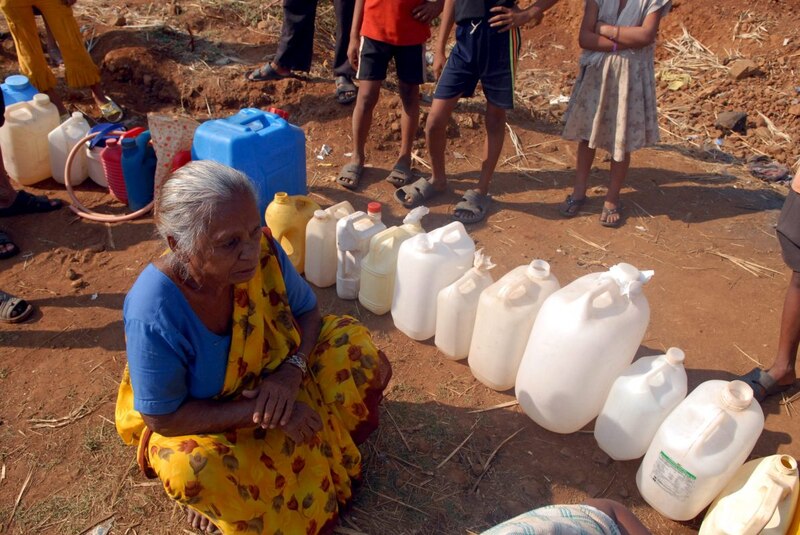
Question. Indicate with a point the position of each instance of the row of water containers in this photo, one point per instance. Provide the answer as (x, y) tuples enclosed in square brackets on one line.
[(567, 351)]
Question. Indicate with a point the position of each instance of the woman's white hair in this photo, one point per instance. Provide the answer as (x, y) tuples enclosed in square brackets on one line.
[(190, 197)]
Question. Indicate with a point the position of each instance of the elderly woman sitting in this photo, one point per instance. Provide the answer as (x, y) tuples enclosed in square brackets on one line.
[(240, 397)]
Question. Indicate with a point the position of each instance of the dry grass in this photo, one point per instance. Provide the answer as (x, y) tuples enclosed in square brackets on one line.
[(688, 55)]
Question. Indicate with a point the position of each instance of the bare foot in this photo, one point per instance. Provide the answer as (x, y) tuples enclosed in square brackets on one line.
[(304, 423), (200, 522)]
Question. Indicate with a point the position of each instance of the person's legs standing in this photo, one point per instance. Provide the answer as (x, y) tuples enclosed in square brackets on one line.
[(582, 169), (410, 64), (493, 144), (32, 62), (344, 20), (611, 205), (369, 91), (436, 137), (296, 45), (783, 368)]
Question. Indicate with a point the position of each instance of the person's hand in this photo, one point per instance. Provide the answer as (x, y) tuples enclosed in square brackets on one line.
[(508, 18), (427, 11), (439, 59), (304, 423), (352, 52), (275, 397), (604, 29)]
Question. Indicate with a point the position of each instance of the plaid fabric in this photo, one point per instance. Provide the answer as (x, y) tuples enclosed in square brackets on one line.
[(558, 520)]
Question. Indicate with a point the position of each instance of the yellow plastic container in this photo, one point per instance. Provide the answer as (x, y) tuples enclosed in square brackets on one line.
[(287, 217), (760, 499), (794, 528), (26, 151)]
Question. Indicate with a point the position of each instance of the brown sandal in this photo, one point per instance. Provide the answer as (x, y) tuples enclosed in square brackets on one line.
[(571, 206)]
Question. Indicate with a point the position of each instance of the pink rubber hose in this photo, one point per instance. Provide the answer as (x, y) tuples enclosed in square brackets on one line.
[(79, 208)]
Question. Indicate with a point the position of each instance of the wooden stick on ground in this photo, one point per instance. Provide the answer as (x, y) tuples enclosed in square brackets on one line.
[(498, 406), (489, 460), (397, 427), (19, 498), (454, 451)]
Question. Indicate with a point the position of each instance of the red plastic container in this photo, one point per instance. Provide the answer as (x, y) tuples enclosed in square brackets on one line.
[(111, 158), (181, 158)]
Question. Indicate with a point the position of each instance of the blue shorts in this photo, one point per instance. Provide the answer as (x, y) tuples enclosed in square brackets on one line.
[(483, 54)]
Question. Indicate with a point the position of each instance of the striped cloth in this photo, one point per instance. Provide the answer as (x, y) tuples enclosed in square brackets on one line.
[(558, 520)]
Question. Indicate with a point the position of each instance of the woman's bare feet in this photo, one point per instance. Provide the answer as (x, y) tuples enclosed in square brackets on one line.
[(200, 521)]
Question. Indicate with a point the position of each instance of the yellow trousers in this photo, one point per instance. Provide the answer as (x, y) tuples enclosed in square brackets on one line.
[(80, 69)]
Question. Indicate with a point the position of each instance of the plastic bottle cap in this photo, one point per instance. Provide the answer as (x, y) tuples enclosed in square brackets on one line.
[(675, 356), (320, 214), (41, 98), (786, 464), (374, 208), (283, 114), (18, 82), (77, 115), (628, 271), (281, 197), (539, 269), (737, 395)]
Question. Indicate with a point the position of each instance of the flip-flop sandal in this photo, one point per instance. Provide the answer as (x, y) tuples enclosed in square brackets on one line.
[(417, 193), (473, 207), (611, 211), (13, 309), (265, 73), (25, 203), (346, 90), (350, 176), (763, 384), (401, 175), (5, 239), (768, 170), (111, 111), (571, 206)]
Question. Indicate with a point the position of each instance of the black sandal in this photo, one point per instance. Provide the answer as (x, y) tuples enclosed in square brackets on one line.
[(571, 206), (265, 73), (25, 203), (13, 309), (5, 239), (346, 90)]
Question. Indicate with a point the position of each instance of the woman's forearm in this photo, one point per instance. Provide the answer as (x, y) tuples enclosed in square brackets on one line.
[(596, 42), (310, 325), (446, 25), (199, 417), (630, 36)]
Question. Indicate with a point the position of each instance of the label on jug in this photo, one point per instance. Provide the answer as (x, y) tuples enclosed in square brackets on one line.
[(674, 479)]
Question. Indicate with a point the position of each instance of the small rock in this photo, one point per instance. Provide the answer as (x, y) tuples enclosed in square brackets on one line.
[(732, 121), (601, 458), (743, 68), (119, 21), (72, 275), (262, 25), (794, 110)]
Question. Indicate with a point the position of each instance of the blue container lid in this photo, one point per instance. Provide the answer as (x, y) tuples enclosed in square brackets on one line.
[(103, 129), (18, 82)]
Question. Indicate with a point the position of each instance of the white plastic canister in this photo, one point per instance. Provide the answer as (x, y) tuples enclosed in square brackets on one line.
[(62, 139), (379, 267), (638, 402), (456, 307), (23, 139), (699, 447), (321, 253), (585, 335), (353, 234), (506, 313), (426, 264), (761, 498)]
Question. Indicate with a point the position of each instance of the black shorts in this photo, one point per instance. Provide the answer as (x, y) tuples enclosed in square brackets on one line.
[(374, 56), (483, 54), (788, 230)]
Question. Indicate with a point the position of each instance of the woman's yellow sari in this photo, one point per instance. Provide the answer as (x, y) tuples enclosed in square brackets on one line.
[(260, 481)]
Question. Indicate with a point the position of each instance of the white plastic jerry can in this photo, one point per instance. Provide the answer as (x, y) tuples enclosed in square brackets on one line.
[(320, 260), (638, 402), (585, 335), (378, 270), (23, 139), (425, 265), (353, 234), (457, 306), (761, 498), (61, 140), (699, 447), (506, 313)]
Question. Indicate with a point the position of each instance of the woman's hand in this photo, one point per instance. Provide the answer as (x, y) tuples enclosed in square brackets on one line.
[(275, 397), (605, 30), (508, 18), (439, 59), (304, 423), (352, 52), (427, 10)]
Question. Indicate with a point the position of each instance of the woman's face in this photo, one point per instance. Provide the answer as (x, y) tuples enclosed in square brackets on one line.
[(229, 251)]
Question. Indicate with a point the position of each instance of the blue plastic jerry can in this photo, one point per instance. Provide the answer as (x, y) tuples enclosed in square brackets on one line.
[(17, 88), (260, 144), (139, 169)]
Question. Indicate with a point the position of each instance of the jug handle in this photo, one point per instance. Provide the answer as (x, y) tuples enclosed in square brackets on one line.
[(103, 132), (769, 502), (594, 294), (708, 429), (506, 289), (457, 229), (242, 125)]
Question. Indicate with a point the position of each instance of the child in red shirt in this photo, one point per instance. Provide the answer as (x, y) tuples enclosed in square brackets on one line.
[(382, 30)]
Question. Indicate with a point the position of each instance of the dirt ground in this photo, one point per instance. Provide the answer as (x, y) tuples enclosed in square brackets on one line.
[(695, 216)]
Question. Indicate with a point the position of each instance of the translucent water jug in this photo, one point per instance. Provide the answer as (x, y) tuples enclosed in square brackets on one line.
[(426, 264), (457, 306), (287, 217), (379, 267), (262, 145), (506, 313), (353, 234), (699, 447), (139, 169), (638, 402), (17, 88), (585, 335), (761, 498), (62, 139), (320, 258), (23, 139)]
